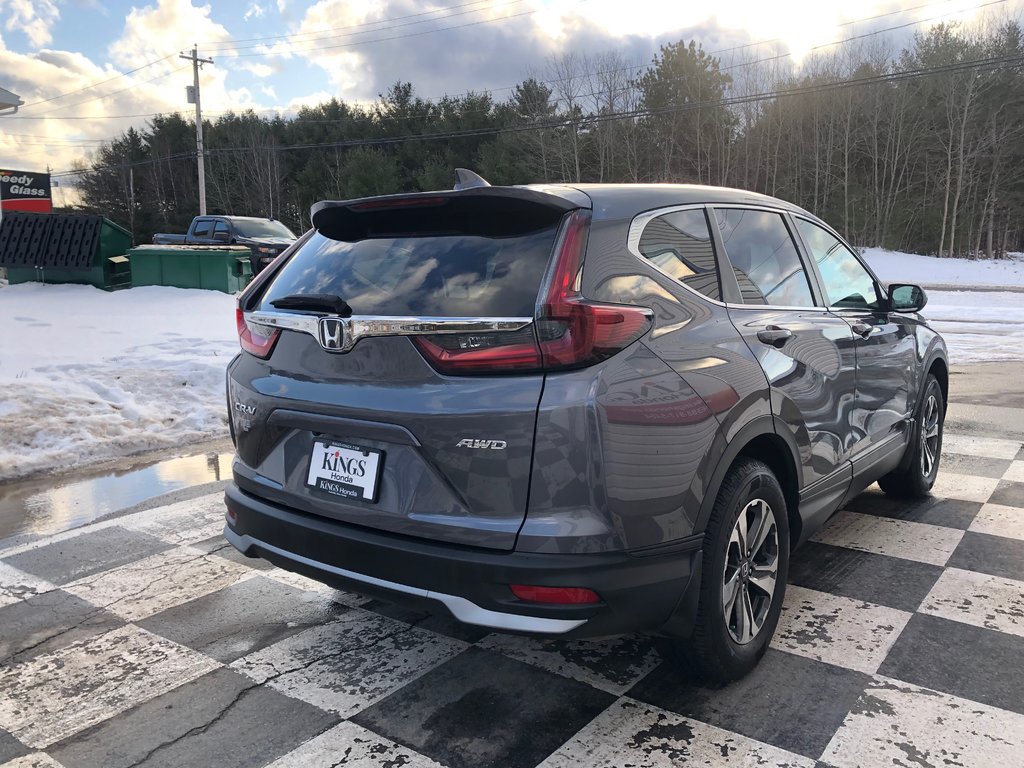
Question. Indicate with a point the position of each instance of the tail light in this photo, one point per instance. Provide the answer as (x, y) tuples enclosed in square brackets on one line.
[(569, 331), (252, 338)]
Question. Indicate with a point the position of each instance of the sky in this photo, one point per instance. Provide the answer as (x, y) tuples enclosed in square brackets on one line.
[(89, 69)]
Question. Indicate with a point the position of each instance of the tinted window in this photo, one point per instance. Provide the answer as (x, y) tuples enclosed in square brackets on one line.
[(764, 258), (679, 244), (262, 228), (220, 227), (847, 283), (447, 275), (202, 228)]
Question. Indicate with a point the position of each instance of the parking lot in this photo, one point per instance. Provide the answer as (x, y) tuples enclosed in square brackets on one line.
[(144, 639)]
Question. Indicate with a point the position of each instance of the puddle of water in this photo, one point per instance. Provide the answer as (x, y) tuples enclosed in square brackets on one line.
[(45, 506)]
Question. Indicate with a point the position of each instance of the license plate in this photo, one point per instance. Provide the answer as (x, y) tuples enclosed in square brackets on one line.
[(344, 470)]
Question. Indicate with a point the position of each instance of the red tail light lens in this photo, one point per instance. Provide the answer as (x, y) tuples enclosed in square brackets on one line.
[(558, 595), (574, 332), (254, 342), (568, 330), (481, 353)]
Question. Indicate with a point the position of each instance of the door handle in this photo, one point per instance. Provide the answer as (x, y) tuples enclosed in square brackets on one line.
[(774, 335), (862, 329)]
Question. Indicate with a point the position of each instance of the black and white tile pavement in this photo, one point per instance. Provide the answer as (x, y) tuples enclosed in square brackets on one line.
[(146, 640)]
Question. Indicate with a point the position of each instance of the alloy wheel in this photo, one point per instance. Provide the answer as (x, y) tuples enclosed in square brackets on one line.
[(751, 570), (929, 435)]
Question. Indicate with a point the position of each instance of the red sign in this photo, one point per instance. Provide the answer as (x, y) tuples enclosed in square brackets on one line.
[(25, 191)]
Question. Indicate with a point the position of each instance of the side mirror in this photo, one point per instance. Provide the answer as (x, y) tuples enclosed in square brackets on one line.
[(904, 297), (221, 237)]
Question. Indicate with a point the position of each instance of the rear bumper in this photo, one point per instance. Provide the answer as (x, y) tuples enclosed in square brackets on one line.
[(639, 593)]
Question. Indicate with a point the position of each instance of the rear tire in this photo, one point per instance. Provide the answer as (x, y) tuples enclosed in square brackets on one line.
[(745, 564), (916, 474)]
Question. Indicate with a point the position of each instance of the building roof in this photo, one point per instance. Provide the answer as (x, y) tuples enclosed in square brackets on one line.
[(9, 100)]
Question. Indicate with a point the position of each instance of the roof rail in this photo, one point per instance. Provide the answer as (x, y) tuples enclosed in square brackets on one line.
[(467, 179)]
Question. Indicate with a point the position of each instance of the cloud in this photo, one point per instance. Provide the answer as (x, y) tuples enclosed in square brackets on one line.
[(254, 11), (35, 18), (153, 30)]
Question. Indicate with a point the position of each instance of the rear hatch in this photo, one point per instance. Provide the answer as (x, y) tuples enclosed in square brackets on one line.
[(396, 360)]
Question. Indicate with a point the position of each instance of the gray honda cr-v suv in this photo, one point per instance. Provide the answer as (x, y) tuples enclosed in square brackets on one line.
[(574, 410)]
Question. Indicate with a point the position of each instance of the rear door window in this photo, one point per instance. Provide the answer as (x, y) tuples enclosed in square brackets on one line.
[(679, 244), (764, 258), (202, 228), (448, 275)]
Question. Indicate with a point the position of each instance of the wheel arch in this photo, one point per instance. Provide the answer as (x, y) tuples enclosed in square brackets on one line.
[(939, 368), (759, 440)]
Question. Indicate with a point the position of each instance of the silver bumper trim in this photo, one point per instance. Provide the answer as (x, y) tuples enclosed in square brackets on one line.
[(464, 610)]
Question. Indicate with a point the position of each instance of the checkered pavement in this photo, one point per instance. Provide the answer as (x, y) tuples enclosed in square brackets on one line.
[(146, 640)]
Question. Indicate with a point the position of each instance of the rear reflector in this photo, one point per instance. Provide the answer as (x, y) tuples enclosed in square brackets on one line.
[(558, 595), (253, 341)]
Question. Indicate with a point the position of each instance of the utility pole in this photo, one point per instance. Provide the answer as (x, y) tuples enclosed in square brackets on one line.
[(194, 99)]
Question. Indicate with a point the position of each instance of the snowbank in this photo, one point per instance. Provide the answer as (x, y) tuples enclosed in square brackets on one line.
[(89, 375), (894, 266), (978, 326)]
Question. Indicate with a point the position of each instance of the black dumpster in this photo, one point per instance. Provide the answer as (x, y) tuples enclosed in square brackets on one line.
[(64, 248)]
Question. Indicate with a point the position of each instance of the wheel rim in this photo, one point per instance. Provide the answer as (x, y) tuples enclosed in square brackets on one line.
[(751, 569), (929, 435)]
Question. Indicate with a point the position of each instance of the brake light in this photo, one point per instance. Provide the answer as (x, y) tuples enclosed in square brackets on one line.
[(568, 330), (253, 341), (574, 332), (558, 595), (398, 202)]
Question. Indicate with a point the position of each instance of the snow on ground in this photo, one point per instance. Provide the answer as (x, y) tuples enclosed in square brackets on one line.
[(89, 375), (894, 266), (979, 326)]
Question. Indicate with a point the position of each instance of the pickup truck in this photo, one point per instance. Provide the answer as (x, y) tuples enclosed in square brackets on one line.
[(266, 238)]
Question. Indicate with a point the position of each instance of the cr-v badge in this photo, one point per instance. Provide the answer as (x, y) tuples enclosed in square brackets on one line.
[(467, 442)]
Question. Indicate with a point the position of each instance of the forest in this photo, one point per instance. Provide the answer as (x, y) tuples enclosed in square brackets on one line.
[(918, 149)]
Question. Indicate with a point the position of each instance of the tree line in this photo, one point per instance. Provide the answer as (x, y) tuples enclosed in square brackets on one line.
[(919, 149)]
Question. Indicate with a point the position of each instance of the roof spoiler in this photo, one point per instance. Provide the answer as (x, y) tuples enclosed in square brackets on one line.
[(478, 210)]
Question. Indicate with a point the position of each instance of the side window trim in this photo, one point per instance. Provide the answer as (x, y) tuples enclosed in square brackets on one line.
[(808, 257), (735, 300), (636, 231)]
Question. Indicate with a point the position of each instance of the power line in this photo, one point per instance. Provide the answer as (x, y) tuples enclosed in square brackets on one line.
[(393, 37), (582, 74), (112, 93), (988, 64), (94, 85), (335, 36)]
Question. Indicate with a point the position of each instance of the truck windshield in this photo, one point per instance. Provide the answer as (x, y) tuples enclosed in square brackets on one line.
[(261, 228)]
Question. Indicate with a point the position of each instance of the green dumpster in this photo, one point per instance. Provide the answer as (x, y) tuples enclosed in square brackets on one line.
[(214, 267), (64, 248)]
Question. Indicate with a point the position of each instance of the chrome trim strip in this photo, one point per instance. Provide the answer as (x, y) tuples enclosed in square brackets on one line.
[(636, 231), (464, 610), (362, 326)]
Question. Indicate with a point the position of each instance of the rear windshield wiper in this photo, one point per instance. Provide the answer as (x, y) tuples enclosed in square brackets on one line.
[(316, 302)]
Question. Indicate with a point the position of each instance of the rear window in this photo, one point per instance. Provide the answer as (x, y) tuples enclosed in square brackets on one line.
[(454, 275)]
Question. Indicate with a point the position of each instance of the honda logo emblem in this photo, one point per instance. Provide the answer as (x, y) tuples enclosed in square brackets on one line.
[(333, 334)]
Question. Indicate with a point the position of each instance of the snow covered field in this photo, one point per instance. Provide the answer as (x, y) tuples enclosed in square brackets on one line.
[(88, 375), (894, 266), (979, 326)]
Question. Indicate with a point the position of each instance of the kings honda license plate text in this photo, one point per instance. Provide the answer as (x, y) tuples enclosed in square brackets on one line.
[(344, 470)]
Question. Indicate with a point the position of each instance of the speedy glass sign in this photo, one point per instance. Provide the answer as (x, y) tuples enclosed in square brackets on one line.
[(25, 191)]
